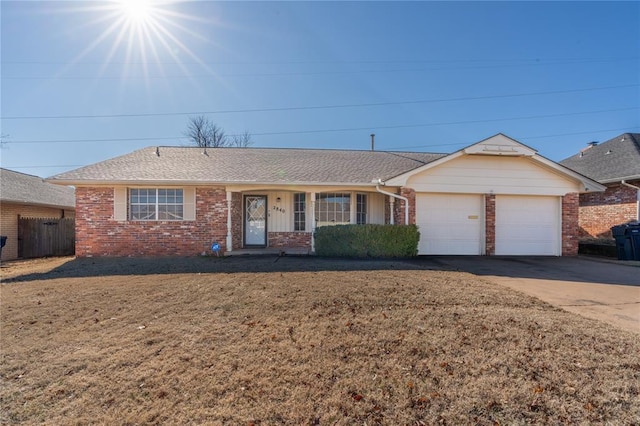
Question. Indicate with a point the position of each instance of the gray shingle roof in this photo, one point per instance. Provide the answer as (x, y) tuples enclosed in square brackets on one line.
[(27, 189), (613, 160), (247, 165)]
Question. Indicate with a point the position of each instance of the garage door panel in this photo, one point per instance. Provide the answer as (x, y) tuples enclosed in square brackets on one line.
[(449, 224), (527, 225)]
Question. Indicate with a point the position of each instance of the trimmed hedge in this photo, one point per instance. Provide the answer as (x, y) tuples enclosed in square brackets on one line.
[(367, 241)]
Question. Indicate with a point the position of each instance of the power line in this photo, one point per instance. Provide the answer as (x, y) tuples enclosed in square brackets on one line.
[(317, 107), (375, 61), (278, 74), (347, 129), (388, 149), (528, 137)]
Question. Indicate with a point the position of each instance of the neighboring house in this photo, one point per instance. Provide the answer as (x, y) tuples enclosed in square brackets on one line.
[(615, 164), (494, 197), (23, 195)]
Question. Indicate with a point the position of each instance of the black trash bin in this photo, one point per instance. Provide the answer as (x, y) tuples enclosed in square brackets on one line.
[(3, 241), (624, 249), (633, 232)]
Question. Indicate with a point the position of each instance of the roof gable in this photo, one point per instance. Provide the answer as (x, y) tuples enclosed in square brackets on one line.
[(501, 145), (613, 160), (21, 188)]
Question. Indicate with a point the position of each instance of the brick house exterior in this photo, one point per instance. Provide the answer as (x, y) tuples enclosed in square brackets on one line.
[(243, 198), (599, 211), (616, 165)]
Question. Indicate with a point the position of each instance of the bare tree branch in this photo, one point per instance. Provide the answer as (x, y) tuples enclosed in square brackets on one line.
[(241, 141), (204, 133), (4, 140)]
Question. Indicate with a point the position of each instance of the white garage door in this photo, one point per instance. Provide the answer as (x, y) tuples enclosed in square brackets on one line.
[(527, 225), (450, 224)]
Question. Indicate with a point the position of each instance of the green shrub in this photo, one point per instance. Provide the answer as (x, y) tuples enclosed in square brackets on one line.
[(367, 241)]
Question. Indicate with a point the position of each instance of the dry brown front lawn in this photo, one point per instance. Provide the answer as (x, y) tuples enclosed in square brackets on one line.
[(299, 341)]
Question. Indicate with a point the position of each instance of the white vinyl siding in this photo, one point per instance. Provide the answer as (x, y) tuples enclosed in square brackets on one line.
[(376, 207), (483, 174)]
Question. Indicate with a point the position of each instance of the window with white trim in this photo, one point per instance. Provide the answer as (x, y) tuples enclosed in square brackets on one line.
[(299, 211), (361, 209), (156, 204), (333, 208)]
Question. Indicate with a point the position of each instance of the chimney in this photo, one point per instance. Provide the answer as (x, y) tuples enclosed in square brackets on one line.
[(586, 148), (373, 137)]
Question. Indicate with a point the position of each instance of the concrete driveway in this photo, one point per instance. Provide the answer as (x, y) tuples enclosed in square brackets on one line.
[(605, 290)]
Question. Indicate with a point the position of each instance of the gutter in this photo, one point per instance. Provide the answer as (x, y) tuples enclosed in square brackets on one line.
[(399, 197), (637, 188)]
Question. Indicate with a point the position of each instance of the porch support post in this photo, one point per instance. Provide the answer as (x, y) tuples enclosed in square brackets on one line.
[(229, 233), (311, 213), (391, 210)]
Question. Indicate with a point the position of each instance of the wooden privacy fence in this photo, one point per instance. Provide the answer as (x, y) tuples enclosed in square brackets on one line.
[(41, 237)]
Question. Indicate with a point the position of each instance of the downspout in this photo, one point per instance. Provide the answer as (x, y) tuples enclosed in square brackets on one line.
[(399, 197), (637, 188)]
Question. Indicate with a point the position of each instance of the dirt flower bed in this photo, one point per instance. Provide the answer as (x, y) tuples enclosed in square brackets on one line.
[(299, 341)]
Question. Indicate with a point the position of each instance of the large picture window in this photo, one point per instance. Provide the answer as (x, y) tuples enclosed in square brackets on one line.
[(299, 211), (156, 204)]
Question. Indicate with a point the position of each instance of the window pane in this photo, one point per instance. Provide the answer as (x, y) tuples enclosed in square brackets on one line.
[(143, 206), (361, 209), (333, 208), (299, 215)]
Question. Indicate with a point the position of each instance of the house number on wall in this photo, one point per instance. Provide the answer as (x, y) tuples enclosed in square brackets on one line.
[(278, 209)]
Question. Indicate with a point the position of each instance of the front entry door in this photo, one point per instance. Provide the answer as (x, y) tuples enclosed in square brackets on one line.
[(255, 220)]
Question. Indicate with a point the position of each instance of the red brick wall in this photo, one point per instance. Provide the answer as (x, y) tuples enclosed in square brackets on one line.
[(387, 210), (490, 224), (98, 234), (570, 225), (289, 239), (599, 211), (236, 220), (399, 209)]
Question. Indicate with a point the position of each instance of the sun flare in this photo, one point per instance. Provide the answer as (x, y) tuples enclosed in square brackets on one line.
[(137, 11)]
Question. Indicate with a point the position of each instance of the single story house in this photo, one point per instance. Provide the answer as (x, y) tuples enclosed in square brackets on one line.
[(616, 165), (28, 196), (495, 197)]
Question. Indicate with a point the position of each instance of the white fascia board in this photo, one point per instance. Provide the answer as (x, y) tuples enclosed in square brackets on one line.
[(620, 179), (32, 203), (588, 184), (401, 180)]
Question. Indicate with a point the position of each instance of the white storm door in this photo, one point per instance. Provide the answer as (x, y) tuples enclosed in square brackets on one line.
[(527, 225), (255, 220), (450, 223)]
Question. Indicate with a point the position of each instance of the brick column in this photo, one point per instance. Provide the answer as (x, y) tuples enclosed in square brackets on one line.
[(236, 219), (570, 228), (490, 224), (399, 207)]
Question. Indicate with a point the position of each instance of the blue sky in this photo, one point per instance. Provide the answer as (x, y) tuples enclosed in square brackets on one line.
[(422, 76)]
